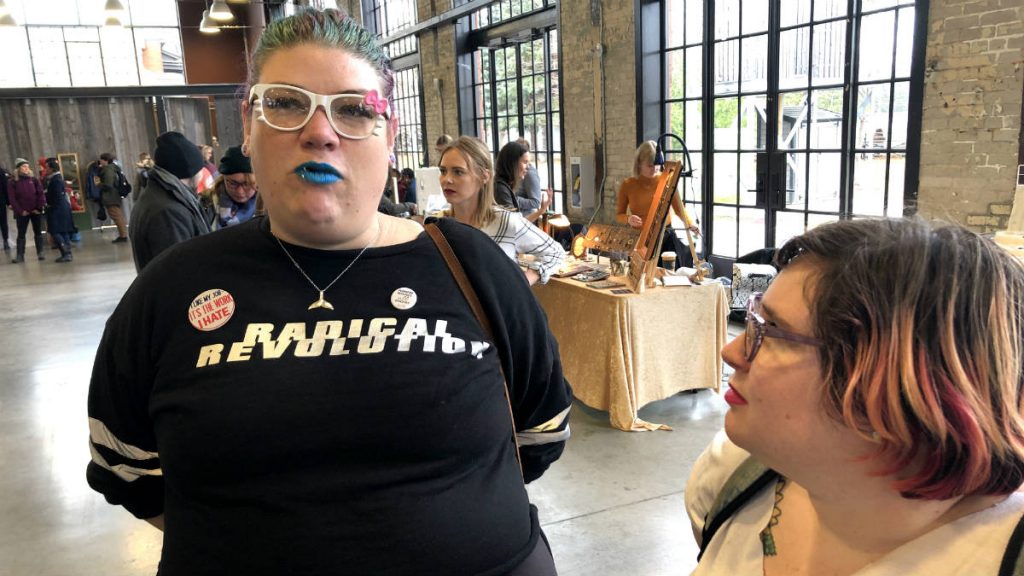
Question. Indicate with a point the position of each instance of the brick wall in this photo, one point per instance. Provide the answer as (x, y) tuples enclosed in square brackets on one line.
[(972, 105), (613, 27), (437, 64)]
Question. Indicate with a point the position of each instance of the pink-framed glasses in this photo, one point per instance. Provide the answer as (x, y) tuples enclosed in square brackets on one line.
[(757, 329)]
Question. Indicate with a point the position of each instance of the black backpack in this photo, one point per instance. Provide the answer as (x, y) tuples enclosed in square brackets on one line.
[(122, 185), (751, 477)]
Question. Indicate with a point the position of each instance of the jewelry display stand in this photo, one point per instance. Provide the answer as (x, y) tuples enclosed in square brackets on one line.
[(643, 260)]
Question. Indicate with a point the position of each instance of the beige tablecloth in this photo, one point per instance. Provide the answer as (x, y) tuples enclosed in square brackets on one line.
[(621, 352)]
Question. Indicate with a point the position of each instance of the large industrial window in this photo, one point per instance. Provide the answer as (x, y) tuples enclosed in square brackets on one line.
[(505, 10), (391, 17), (796, 111), (388, 19), (408, 105), (516, 95), (64, 43)]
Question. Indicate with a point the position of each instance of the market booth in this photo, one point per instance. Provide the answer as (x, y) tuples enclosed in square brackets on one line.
[(621, 351), (644, 333)]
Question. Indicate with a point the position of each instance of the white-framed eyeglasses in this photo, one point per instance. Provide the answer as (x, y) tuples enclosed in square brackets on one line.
[(289, 108)]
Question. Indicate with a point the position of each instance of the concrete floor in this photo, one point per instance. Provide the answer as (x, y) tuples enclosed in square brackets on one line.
[(611, 506)]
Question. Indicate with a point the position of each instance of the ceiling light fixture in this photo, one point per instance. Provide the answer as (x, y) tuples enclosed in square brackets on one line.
[(207, 25), (219, 11), (115, 13), (113, 6), (6, 19)]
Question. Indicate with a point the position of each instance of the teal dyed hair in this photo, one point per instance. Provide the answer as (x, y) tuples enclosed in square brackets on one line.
[(329, 28)]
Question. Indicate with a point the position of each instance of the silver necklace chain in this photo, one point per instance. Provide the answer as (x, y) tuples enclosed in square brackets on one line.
[(321, 302)]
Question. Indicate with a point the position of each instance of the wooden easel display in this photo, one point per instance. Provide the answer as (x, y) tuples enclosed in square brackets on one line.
[(643, 260)]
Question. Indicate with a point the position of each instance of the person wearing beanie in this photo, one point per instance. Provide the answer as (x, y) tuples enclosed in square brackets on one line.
[(144, 165), (168, 212), (25, 193), (110, 196), (232, 199), (59, 224), (5, 177)]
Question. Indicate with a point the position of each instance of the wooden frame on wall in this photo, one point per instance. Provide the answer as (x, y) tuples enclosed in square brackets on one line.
[(72, 179)]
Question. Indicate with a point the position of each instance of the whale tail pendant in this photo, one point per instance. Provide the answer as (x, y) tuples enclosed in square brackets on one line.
[(321, 303)]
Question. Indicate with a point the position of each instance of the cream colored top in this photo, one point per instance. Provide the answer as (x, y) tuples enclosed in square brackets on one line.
[(969, 546)]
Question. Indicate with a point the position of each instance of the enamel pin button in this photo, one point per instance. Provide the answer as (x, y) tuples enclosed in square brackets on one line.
[(403, 298)]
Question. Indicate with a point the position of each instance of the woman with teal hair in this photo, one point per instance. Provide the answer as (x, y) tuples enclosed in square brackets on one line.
[(301, 393)]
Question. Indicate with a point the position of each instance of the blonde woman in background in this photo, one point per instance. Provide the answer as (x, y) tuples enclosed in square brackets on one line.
[(636, 195), (467, 180)]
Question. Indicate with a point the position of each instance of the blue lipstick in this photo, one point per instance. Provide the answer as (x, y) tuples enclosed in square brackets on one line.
[(318, 173)]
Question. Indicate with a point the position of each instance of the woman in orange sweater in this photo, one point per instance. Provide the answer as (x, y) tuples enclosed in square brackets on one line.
[(636, 195)]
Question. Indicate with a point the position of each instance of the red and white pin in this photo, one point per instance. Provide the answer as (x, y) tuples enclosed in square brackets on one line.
[(211, 309)]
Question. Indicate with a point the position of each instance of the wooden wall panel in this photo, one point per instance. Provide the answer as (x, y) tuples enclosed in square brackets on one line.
[(85, 126), (16, 141), (191, 117), (134, 130), (40, 130), (229, 122)]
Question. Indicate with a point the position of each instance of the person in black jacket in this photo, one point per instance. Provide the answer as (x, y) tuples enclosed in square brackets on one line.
[(59, 223), (168, 211), (509, 172), (5, 176), (301, 393)]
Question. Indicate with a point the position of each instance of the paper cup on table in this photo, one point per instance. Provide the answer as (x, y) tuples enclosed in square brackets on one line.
[(669, 261)]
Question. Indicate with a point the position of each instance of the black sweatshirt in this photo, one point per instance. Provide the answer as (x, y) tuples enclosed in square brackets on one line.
[(368, 439)]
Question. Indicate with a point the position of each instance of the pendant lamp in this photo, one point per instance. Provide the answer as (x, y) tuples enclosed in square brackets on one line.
[(113, 6), (6, 19), (207, 25), (114, 11), (219, 11)]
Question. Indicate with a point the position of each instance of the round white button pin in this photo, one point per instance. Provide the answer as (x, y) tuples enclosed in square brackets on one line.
[(403, 298)]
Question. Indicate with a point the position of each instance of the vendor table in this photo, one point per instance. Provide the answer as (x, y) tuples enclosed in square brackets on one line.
[(622, 351)]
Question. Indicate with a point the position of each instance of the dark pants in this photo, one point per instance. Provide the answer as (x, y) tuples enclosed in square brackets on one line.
[(4, 231), (37, 229), (60, 238), (538, 563), (23, 221)]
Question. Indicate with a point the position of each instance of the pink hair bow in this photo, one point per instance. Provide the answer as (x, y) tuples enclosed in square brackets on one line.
[(375, 101)]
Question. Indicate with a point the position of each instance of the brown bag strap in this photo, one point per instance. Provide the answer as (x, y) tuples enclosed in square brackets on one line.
[(478, 310)]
